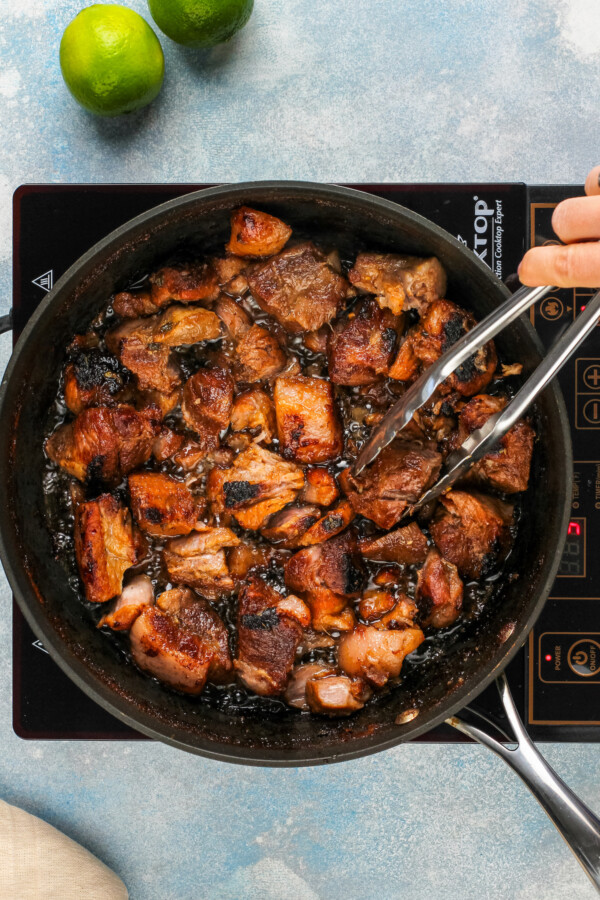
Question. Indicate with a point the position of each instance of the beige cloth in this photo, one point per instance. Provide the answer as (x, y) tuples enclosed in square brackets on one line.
[(37, 862)]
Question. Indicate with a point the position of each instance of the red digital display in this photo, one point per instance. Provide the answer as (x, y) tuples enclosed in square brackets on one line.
[(574, 528)]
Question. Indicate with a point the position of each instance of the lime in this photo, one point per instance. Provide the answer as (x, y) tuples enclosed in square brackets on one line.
[(200, 23), (111, 60)]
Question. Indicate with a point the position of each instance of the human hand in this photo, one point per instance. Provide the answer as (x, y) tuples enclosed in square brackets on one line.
[(577, 223)]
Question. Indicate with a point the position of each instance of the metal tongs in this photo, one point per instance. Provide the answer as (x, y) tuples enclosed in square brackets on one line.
[(485, 438)]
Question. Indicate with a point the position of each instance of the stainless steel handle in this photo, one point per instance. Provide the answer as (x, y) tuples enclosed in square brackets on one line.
[(6, 322), (577, 824)]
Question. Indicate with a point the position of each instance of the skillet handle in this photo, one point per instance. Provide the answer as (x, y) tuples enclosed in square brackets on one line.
[(6, 322), (577, 824)]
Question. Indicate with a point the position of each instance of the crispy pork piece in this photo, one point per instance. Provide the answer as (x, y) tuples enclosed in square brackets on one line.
[(104, 546), (321, 488), (299, 288), (258, 484), (377, 654), (506, 468), (439, 591), (167, 443), (255, 233), (235, 319), (406, 546), (200, 560), (182, 326), (267, 639), (92, 379), (163, 506), (295, 693), (166, 403), (228, 269), (441, 326), (316, 341), (132, 343), (398, 477), (248, 556), (288, 526), (105, 443), (254, 410), (336, 695), (206, 404), (332, 523), (182, 642), (308, 424), (133, 304), (400, 282), (472, 531), (184, 285), (361, 345), (374, 604), (258, 356), (132, 601)]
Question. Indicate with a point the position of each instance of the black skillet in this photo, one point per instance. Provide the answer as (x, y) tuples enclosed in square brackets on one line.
[(436, 689)]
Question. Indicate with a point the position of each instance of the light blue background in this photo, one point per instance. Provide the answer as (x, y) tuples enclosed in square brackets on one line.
[(337, 90)]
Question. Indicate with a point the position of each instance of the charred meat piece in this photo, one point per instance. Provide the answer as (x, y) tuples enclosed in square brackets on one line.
[(288, 526), (134, 598), (104, 546), (406, 546), (439, 591), (267, 639), (400, 282), (258, 355), (506, 468), (206, 404), (398, 477), (200, 561), (361, 346), (472, 531), (163, 506), (255, 233), (308, 424), (258, 484), (92, 379), (321, 487), (299, 288), (254, 410), (336, 695), (377, 654), (183, 644), (104, 444), (332, 523), (132, 342), (235, 319), (133, 304), (441, 326), (184, 285)]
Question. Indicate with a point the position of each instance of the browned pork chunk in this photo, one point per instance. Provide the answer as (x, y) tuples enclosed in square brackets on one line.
[(132, 342), (133, 304), (253, 410), (472, 531), (308, 424), (267, 639), (185, 284), (321, 487), (206, 404), (439, 591), (235, 319), (332, 523), (255, 233), (200, 560), (336, 695), (182, 642), (92, 379), (181, 326), (299, 288), (104, 546), (441, 326), (287, 527), (377, 654), (134, 598), (258, 355), (506, 468), (163, 506), (105, 443), (400, 282), (406, 546), (361, 345), (295, 693), (398, 477), (258, 484)]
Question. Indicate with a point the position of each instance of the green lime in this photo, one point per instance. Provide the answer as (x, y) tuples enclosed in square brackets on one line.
[(111, 60), (200, 23)]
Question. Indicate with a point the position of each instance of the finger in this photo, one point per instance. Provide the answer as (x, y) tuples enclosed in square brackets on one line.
[(577, 219), (592, 182), (574, 265)]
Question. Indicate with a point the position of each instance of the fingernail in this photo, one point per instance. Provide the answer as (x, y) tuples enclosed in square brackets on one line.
[(519, 268)]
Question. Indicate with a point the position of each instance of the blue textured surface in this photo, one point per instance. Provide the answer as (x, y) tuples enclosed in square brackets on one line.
[(380, 90)]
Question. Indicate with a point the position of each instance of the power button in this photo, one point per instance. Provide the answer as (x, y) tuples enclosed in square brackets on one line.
[(569, 657), (583, 658)]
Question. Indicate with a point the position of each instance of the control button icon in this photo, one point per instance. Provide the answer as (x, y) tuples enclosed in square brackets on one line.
[(591, 411), (591, 377), (584, 658), (552, 308)]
